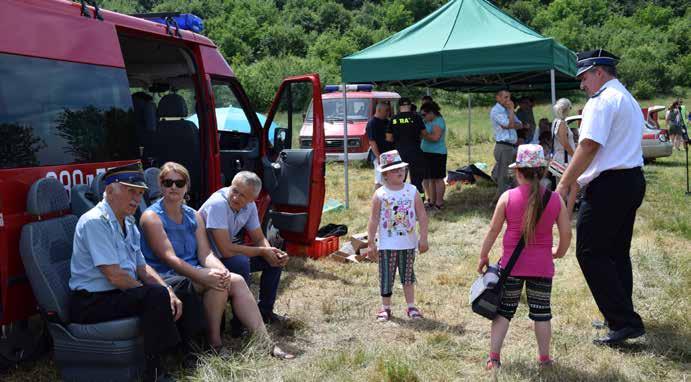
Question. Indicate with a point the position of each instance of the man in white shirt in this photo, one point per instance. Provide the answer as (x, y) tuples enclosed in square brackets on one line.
[(609, 161)]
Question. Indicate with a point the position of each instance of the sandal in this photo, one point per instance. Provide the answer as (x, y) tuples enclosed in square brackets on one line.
[(413, 313), (547, 363), (492, 364), (384, 315), (438, 207), (279, 353)]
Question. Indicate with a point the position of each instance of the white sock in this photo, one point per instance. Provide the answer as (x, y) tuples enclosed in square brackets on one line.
[(386, 307), (411, 305)]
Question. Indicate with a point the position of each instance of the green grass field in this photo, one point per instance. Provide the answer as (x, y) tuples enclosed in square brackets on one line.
[(332, 305)]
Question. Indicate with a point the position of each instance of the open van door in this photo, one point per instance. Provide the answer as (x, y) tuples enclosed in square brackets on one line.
[(294, 178)]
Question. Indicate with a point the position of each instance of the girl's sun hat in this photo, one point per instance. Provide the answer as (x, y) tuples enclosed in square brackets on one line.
[(390, 160), (529, 156)]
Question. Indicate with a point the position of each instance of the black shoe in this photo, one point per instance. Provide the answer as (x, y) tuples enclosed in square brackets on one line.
[(615, 337), (273, 318)]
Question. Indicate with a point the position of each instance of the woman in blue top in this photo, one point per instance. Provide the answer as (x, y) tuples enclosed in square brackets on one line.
[(175, 244), (434, 147)]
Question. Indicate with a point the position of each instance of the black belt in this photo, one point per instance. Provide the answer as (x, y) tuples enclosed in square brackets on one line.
[(620, 171), (507, 143)]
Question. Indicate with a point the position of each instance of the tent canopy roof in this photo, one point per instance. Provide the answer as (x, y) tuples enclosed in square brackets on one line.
[(465, 44)]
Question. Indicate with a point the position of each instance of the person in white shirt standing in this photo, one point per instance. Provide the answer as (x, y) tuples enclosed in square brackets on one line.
[(609, 161)]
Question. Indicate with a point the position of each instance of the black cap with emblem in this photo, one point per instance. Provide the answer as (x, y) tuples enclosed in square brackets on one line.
[(130, 175), (591, 58)]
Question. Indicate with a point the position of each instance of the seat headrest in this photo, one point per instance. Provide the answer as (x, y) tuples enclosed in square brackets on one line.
[(97, 187), (144, 113), (151, 178), (172, 106), (47, 195)]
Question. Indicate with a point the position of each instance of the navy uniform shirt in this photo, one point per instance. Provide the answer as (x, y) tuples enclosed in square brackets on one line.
[(376, 131), (406, 128), (99, 240)]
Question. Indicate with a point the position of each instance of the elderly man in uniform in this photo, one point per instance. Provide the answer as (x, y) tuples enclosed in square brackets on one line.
[(505, 123), (609, 161), (109, 277)]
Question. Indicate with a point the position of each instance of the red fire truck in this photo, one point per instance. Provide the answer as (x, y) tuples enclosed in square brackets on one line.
[(78, 94)]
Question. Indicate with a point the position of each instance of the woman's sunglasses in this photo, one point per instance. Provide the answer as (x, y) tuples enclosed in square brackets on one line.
[(168, 183)]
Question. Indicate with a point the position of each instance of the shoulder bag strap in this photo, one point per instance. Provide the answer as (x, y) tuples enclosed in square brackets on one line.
[(521, 243)]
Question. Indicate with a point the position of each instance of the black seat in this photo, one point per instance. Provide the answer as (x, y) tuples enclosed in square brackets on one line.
[(178, 139), (144, 109)]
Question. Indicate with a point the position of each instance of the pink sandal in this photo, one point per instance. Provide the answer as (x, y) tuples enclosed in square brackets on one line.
[(413, 313), (384, 315)]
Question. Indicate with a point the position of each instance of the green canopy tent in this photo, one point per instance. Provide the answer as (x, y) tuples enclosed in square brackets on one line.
[(467, 45)]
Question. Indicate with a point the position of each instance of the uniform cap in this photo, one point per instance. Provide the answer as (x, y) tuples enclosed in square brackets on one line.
[(590, 58), (405, 101), (130, 175)]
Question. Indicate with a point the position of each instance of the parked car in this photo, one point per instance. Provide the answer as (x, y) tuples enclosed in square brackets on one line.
[(362, 101), (654, 142), (232, 119)]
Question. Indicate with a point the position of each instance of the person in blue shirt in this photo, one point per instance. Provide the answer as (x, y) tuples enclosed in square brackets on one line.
[(176, 245), (110, 279), (505, 123), (434, 148)]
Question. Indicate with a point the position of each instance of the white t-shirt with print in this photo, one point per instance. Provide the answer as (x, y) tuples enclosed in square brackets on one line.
[(397, 217)]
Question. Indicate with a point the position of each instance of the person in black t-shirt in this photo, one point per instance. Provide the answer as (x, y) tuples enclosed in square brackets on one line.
[(404, 131), (376, 132)]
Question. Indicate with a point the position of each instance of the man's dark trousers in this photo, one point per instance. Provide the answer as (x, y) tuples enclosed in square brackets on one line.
[(416, 168), (268, 282), (151, 303), (604, 230)]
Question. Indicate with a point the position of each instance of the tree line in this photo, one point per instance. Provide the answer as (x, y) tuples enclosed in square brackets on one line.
[(266, 40)]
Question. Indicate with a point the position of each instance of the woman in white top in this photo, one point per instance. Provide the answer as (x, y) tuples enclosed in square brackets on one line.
[(563, 144)]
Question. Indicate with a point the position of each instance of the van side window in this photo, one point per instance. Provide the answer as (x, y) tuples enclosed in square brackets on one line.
[(56, 112)]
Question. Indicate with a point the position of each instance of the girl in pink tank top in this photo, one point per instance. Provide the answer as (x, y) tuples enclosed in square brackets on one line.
[(519, 208)]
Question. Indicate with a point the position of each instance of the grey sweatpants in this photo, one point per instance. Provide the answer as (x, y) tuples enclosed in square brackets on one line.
[(504, 155)]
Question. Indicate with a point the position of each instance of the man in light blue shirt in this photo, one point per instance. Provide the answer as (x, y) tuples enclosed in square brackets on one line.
[(505, 123), (109, 277)]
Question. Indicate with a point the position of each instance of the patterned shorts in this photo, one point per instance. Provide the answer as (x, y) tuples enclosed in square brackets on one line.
[(389, 260), (538, 291)]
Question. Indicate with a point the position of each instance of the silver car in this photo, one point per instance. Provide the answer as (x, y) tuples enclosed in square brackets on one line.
[(655, 142)]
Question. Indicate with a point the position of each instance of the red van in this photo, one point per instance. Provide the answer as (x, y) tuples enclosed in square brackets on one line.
[(79, 94), (362, 101)]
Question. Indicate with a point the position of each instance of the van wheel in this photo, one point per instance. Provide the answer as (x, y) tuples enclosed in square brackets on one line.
[(24, 340)]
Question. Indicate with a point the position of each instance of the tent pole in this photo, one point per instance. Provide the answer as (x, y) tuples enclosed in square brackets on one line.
[(345, 145), (553, 86), (469, 108)]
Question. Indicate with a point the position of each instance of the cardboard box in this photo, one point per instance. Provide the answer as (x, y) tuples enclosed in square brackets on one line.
[(346, 250), (369, 256), (337, 257), (359, 241)]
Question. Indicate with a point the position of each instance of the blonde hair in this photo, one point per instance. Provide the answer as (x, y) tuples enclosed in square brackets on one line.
[(561, 107), (169, 167)]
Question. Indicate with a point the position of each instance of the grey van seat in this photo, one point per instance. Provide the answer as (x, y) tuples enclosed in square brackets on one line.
[(144, 110), (178, 139), (151, 178), (107, 351), (79, 199)]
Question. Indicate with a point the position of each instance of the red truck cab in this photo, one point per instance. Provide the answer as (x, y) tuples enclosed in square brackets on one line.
[(362, 102), (82, 92)]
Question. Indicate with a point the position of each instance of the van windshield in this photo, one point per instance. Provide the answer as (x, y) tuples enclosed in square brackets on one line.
[(56, 112), (358, 109)]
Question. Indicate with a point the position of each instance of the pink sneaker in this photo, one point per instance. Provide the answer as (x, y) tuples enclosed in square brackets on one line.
[(413, 313)]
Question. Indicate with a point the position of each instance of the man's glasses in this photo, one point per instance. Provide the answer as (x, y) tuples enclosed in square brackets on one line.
[(168, 183)]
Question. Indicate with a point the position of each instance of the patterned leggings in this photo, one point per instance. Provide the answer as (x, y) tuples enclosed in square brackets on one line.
[(538, 291), (389, 260)]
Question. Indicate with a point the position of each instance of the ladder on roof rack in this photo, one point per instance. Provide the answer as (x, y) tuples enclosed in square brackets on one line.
[(85, 10)]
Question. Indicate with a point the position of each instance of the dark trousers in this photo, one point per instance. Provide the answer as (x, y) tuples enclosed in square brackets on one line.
[(151, 303), (604, 230), (416, 169), (268, 283), (192, 323)]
